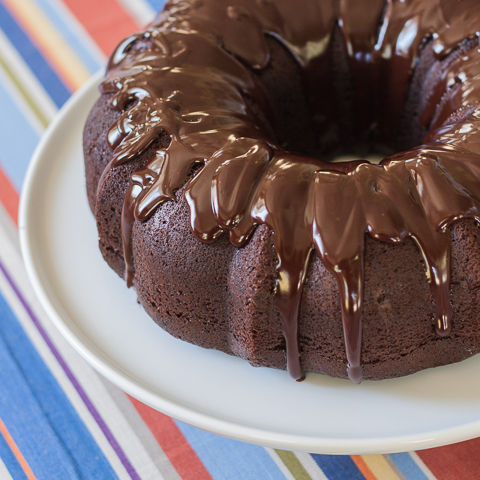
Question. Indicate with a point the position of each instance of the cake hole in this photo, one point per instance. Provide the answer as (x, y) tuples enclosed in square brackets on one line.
[(371, 157), (335, 124), (327, 126)]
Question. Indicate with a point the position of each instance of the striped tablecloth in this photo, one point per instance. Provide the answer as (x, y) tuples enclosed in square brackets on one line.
[(58, 418)]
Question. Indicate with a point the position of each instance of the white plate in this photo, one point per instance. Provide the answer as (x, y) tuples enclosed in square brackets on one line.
[(98, 315)]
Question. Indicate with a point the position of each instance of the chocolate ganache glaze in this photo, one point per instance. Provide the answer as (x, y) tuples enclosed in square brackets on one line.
[(194, 73)]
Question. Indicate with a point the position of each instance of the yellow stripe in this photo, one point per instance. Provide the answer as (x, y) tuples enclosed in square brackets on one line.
[(379, 466), (16, 451), (43, 33)]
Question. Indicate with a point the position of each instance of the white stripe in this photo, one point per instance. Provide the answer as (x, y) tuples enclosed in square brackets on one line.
[(140, 10), (4, 473), (426, 471), (278, 461), (27, 79), (120, 428), (79, 30), (9, 228), (149, 442), (310, 465)]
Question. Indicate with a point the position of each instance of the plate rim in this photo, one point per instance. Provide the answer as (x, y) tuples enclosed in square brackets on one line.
[(108, 367)]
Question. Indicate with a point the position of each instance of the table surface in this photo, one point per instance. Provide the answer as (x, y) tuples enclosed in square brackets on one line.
[(59, 419)]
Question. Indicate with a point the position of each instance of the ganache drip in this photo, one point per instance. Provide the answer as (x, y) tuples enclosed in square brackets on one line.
[(190, 74)]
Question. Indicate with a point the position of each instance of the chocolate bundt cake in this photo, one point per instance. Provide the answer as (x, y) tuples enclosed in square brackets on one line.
[(209, 164)]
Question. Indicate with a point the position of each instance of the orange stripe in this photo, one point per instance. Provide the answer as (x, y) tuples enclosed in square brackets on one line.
[(173, 443), (16, 451), (9, 196), (362, 466), (106, 21)]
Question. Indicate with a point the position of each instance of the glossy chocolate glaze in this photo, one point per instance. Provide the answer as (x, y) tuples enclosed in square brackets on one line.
[(192, 74)]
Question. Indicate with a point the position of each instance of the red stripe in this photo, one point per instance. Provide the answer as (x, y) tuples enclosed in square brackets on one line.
[(9, 196), (454, 462), (106, 21), (173, 443)]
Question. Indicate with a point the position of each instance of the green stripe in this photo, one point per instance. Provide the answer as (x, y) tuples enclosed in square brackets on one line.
[(28, 99), (293, 464)]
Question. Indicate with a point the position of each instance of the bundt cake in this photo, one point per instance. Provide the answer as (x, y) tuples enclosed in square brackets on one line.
[(210, 170)]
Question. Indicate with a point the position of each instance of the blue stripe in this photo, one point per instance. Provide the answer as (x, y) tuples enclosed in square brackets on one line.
[(18, 139), (228, 459), (76, 42), (37, 63), (43, 423), (10, 461), (407, 466), (27, 424), (338, 467), (157, 5)]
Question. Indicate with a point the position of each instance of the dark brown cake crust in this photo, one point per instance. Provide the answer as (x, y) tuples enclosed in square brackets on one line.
[(220, 296)]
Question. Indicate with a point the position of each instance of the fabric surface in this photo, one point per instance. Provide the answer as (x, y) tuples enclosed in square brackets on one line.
[(59, 419)]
